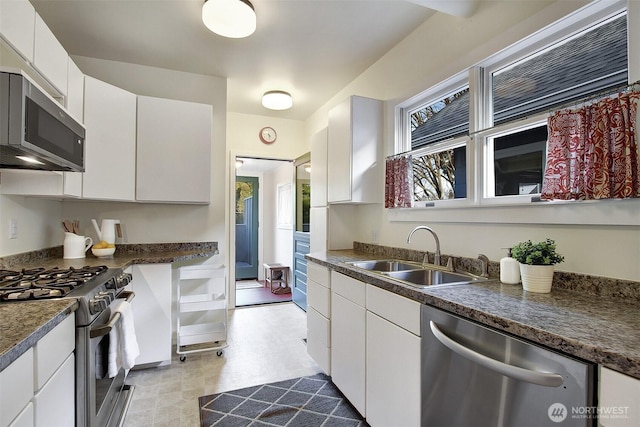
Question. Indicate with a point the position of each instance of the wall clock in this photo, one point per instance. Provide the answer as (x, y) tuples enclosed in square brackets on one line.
[(268, 135)]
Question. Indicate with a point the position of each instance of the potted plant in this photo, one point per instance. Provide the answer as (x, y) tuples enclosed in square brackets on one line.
[(537, 262)]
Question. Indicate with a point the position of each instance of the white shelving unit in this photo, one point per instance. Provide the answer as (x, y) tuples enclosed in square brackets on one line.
[(202, 310)]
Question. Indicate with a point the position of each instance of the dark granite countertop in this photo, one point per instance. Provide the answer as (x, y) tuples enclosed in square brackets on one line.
[(24, 323), (591, 327)]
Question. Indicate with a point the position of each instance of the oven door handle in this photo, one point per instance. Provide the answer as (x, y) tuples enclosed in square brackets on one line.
[(105, 329)]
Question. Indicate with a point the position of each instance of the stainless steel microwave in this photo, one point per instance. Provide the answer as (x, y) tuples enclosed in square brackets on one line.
[(35, 131)]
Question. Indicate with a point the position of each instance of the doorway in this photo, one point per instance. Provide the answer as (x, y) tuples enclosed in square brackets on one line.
[(247, 205), (258, 232)]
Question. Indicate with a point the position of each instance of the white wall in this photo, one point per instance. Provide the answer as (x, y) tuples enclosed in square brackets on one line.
[(441, 47), (278, 241)]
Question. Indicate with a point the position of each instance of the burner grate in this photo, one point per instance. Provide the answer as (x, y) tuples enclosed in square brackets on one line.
[(40, 283)]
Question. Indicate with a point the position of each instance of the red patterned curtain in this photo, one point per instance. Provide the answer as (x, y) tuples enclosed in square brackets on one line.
[(592, 152), (398, 191)]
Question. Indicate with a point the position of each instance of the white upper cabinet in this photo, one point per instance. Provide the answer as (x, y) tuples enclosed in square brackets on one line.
[(173, 151), (110, 144), (354, 147), (75, 91), (49, 56), (319, 169), (17, 26)]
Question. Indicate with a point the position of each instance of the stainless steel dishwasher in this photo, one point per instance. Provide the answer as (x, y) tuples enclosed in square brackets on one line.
[(476, 376)]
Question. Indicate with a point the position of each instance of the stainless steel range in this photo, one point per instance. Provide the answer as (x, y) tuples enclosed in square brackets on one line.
[(100, 400)]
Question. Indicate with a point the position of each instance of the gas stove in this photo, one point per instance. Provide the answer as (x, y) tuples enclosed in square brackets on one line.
[(94, 287)]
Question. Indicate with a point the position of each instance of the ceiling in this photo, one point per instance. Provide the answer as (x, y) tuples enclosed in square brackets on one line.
[(310, 48)]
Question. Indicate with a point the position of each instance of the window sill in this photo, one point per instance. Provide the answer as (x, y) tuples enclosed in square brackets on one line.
[(595, 212)]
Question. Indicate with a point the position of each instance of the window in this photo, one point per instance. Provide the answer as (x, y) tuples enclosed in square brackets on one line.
[(447, 117), (518, 161), (573, 68), (440, 175), (494, 132)]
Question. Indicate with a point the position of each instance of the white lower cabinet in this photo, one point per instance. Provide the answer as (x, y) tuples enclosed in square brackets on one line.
[(319, 315), (16, 387), (619, 399), (38, 388), (348, 334), (152, 312), (375, 349), (24, 418), (393, 379), (54, 403)]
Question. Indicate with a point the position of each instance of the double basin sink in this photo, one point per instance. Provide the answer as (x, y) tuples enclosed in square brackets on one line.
[(416, 274)]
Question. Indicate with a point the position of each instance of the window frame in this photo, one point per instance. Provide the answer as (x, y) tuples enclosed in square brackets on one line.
[(481, 128), (438, 147), (484, 141)]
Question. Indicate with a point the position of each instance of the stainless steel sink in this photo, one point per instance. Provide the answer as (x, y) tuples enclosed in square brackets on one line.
[(415, 274), (430, 277), (386, 265)]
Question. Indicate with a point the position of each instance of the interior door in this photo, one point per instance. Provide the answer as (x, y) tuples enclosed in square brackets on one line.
[(247, 204), (301, 234)]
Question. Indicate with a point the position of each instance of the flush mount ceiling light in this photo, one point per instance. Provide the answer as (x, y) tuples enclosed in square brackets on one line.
[(229, 18), (277, 100)]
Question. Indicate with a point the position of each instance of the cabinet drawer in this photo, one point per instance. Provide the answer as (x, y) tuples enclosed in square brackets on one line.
[(319, 298), (16, 387), (320, 326), (319, 274), (395, 308), (53, 349), (351, 289)]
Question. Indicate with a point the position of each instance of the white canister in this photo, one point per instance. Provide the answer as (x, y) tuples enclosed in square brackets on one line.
[(509, 270), (75, 246)]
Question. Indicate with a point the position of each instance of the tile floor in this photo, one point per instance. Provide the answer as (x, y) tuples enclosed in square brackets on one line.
[(265, 345)]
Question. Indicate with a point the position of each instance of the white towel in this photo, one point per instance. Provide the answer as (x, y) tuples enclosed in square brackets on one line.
[(123, 345)]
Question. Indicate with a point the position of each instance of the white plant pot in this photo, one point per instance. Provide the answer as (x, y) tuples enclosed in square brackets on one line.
[(536, 278)]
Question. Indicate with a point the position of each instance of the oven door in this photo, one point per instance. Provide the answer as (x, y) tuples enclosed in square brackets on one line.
[(100, 401)]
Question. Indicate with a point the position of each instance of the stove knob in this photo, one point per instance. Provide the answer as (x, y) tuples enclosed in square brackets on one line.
[(97, 304), (107, 295), (123, 280), (111, 283)]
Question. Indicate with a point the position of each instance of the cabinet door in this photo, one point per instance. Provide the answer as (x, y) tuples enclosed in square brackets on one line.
[(393, 394), (319, 339), (339, 151), (354, 145), (319, 228), (620, 397), (152, 311), (17, 23), (75, 91), (54, 404), (53, 349), (25, 418), (16, 387), (348, 330), (110, 152), (319, 169), (173, 151), (49, 56)]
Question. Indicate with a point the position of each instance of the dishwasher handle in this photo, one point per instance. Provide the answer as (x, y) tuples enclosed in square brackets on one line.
[(541, 378)]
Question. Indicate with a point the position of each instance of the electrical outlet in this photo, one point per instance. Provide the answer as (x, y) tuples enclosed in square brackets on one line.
[(13, 228)]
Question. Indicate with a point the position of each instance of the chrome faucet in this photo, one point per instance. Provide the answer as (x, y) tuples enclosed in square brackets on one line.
[(436, 258)]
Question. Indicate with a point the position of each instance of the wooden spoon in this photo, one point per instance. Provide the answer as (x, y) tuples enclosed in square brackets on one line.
[(76, 226), (68, 225)]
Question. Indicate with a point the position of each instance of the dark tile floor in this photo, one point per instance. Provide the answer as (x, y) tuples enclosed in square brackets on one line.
[(300, 402)]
